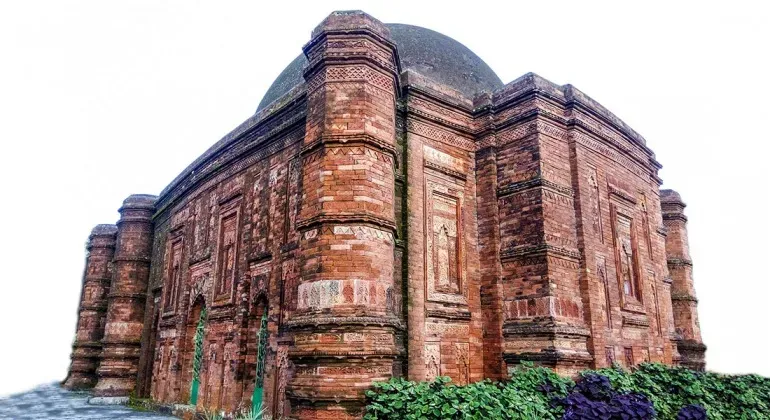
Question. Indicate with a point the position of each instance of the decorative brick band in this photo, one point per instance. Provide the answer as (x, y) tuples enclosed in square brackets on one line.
[(101, 307), (314, 321), (119, 258), (349, 140), (683, 297), (88, 344), (345, 353), (307, 224), (539, 249), (549, 357), (545, 328), (544, 306), (322, 294), (691, 345), (636, 320), (675, 216), (617, 192), (127, 295), (679, 262), (446, 171), (528, 184), (459, 314)]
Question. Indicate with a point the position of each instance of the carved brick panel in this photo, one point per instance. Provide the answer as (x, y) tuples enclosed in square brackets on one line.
[(601, 274), (626, 259), (173, 276), (444, 242), (432, 361), (227, 252)]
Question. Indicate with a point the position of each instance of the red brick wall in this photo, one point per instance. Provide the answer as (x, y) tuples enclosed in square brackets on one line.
[(685, 303), (121, 344), (390, 227), (86, 350)]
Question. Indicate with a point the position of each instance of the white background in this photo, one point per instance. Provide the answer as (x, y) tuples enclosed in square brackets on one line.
[(99, 100)]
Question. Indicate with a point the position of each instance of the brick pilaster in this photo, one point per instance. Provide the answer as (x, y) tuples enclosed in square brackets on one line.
[(92, 309), (346, 332), (127, 296), (683, 299), (543, 313)]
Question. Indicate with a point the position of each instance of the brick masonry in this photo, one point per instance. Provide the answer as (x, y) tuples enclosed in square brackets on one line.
[(390, 225)]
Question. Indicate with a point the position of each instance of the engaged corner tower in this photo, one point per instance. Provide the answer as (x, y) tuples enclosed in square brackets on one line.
[(86, 350), (683, 300), (121, 344), (346, 335)]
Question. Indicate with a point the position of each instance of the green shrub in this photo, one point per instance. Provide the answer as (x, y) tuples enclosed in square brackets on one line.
[(527, 395), (725, 397), (539, 393)]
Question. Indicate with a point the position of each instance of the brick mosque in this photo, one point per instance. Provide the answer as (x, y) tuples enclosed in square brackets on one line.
[(391, 209)]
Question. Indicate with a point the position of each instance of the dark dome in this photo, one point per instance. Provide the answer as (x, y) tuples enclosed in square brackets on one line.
[(427, 52)]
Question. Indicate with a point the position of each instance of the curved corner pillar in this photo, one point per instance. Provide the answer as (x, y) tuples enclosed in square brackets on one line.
[(683, 300), (346, 334), (128, 292), (86, 350)]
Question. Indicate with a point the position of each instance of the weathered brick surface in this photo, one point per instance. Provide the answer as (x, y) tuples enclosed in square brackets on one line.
[(390, 225), (92, 309), (121, 344), (683, 298)]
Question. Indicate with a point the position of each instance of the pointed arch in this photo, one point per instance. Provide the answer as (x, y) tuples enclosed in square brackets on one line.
[(257, 349), (194, 339)]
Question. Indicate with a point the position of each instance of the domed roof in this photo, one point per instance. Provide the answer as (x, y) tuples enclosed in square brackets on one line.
[(427, 52)]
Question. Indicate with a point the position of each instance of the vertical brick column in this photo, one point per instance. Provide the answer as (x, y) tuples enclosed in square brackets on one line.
[(128, 293), (544, 318), (489, 256), (86, 350), (683, 300), (346, 333)]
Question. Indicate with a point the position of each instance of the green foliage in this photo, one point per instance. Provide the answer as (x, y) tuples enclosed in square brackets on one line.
[(198, 339), (256, 413), (212, 415), (725, 397), (139, 404), (527, 395), (535, 392), (253, 414)]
